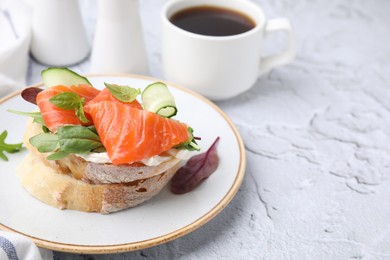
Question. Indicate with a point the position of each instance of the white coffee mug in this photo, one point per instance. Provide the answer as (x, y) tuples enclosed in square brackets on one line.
[(220, 67)]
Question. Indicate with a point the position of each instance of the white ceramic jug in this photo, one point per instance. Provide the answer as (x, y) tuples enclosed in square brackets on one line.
[(58, 33), (118, 45)]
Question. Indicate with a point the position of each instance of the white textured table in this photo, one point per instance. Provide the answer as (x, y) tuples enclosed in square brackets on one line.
[(317, 135)]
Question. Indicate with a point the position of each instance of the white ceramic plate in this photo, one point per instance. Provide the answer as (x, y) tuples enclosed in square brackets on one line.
[(163, 218)]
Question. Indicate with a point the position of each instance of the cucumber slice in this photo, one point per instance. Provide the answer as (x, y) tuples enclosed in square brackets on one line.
[(62, 76), (157, 98)]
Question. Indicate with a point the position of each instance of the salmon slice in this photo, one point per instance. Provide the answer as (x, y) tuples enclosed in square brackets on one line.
[(55, 117), (105, 95), (130, 134)]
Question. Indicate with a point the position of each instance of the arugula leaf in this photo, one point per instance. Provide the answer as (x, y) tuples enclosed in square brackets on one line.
[(123, 93), (70, 101), (36, 115), (9, 148)]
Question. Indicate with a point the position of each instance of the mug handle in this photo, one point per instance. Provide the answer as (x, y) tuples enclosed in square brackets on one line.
[(269, 62)]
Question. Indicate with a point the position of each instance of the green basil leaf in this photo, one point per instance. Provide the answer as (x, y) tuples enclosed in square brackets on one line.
[(45, 142), (45, 129), (123, 93), (80, 112), (66, 100), (93, 129), (77, 145), (100, 149), (68, 139), (57, 155), (36, 115), (77, 131), (77, 139)]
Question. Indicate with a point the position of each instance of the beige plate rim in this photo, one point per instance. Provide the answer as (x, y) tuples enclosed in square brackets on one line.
[(127, 247)]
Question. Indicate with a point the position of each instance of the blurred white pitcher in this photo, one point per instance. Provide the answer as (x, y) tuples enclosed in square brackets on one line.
[(58, 33), (220, 67)]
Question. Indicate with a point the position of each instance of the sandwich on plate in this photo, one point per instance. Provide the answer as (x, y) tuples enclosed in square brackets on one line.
[(100, 150)]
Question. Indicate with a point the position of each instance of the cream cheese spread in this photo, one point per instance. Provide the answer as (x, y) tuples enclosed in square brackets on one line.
[(151, 161)]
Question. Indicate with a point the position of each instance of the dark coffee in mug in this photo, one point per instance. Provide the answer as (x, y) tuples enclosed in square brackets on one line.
[(212, 21)]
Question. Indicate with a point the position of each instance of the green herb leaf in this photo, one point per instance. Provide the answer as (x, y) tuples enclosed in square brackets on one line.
[(9, 148), (80, 113), (45, 142), (78, 146), (70, 101), (57, 155), (36, 115), (77, 131), (100, 149), (92, 128), (68, 139), (77, 139), (190, 144), (45, 129), (66, 100), (123, 93), (2, 156)]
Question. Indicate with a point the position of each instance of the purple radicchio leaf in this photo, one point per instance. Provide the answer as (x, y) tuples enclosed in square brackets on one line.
[(30, 94), (197, 169)]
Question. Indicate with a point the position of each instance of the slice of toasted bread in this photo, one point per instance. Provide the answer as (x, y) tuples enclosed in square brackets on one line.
[(73, 183), (66, 192)]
